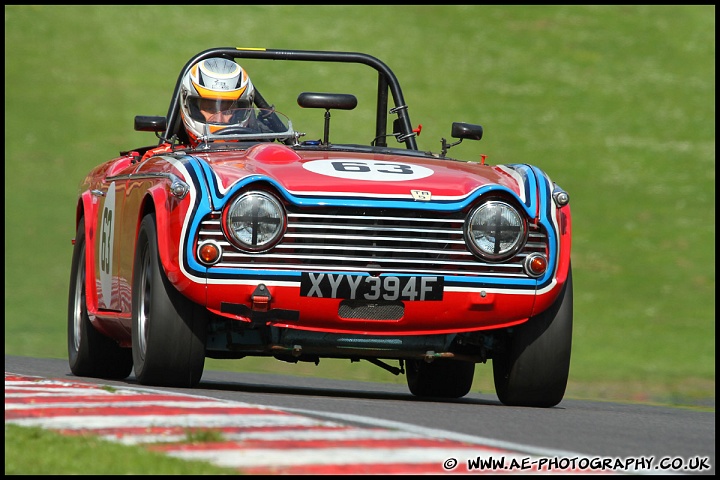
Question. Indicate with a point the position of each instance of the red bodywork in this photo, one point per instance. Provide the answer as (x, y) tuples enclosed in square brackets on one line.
[(136, 187)]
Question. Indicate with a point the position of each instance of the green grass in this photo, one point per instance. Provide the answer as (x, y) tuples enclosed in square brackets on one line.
[(88, 454), (616, 103)]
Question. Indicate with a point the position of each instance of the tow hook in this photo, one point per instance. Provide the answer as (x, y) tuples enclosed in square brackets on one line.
[(261, 299)]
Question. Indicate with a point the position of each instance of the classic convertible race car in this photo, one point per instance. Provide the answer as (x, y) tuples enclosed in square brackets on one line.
[(256, 242)]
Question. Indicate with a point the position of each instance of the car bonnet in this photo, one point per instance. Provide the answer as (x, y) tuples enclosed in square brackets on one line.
[(357, 174)]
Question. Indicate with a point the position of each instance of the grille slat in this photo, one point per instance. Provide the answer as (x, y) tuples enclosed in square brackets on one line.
[(375, 229), (336, 260), (372, 238), (374, 249), (411, 242)]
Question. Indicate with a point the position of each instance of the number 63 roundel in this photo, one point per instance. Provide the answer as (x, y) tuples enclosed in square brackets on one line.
[(370, 170), (107, 231)]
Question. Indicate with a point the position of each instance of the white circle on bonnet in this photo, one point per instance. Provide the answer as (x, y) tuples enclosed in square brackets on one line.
[(369, 170)]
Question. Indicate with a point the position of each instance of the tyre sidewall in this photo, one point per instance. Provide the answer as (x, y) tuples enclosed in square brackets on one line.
[(174, 351), (440, 378), (95, 355), (534, 368)]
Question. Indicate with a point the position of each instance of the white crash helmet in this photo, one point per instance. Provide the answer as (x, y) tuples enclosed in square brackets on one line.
[(213, 85)]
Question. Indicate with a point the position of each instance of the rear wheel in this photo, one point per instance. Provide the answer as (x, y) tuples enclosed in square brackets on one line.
[(168, 335), (440, 378), (533, 369), (90, 353)]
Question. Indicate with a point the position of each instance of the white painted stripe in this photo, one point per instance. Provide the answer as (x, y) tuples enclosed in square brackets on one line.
[(259, 457), (138, 403), (275, 435), (397, 196), (517, 177), (440, 434), (193, 420), (50, 386), (44, 381), (62, 392), (507, 291)]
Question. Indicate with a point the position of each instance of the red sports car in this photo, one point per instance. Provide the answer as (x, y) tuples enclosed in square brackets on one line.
[(255, 242)]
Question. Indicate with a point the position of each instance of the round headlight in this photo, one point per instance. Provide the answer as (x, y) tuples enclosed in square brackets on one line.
[(255, 221), (495, 230)]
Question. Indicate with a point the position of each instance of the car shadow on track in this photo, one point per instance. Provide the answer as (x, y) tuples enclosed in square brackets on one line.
[(335, 392), (322, 387)]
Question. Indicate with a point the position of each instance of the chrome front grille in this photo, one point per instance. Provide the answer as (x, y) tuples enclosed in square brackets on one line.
[(346, 239)]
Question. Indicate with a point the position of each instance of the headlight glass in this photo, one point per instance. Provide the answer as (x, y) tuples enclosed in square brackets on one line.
[(255, 221), (495, 230)]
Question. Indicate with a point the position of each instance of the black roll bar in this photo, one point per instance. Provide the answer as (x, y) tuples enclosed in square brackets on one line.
[(386, 81)]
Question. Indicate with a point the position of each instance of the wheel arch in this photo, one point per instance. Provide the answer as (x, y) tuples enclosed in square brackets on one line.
[(169, 231), (86, 208), (557, 220)]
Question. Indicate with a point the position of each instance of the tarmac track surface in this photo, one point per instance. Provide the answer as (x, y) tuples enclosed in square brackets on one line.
[(327, 430)]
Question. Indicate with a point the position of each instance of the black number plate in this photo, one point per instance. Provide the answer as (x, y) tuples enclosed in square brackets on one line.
[(358, 287)]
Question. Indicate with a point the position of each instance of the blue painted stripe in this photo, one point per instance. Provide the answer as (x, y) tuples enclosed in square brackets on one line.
[(535, 184)]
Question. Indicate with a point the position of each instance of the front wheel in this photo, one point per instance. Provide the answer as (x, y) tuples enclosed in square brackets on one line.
[(532, 370), (441, 378), (168, 332), (90, 353)]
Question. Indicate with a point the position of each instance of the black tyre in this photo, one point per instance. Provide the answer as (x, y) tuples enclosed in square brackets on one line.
[(90, 353), (533, 369), (440, 378), (168, 332)]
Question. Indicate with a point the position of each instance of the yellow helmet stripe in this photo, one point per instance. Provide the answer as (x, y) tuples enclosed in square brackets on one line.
[(221, 94)]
